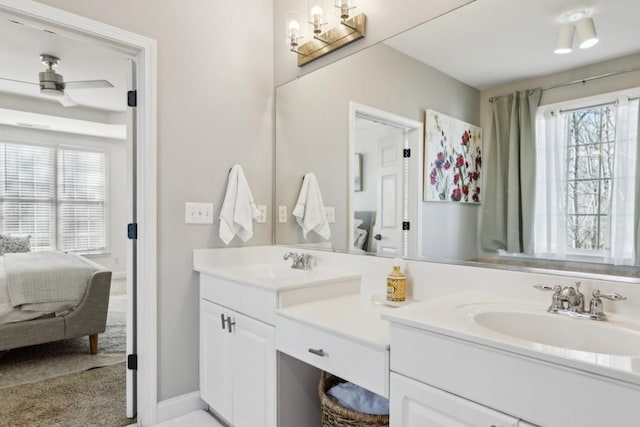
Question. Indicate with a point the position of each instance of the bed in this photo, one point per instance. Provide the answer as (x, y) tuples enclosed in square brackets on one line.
[(50, 296)]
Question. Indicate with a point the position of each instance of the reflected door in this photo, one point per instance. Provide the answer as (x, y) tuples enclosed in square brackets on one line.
[(388, 230)]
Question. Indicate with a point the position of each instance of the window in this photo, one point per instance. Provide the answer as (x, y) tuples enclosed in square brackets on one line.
[(55, 194), (586, 177), (590, 149)]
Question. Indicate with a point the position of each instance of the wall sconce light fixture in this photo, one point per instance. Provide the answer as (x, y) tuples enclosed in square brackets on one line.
[(348, 30)]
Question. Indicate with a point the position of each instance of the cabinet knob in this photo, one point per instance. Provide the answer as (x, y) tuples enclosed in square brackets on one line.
[(317, 352)]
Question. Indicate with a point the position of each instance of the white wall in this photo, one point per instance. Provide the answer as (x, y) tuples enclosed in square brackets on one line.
[(215, 86), (115, 259), (312, 128), (385, 18)]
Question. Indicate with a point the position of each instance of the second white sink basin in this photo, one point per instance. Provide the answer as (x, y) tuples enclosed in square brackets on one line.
[(560, 331)]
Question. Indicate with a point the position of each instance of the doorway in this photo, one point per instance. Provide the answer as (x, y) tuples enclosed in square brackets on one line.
[(141, 171), (386, 150)]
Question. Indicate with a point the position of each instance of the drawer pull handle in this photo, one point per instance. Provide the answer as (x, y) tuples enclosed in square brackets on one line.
[(318, 352)]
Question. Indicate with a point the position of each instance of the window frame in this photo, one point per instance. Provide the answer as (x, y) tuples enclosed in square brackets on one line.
[(609, 98), (57, 232)]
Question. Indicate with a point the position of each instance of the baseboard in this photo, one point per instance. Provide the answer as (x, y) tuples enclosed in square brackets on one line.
[(179, 406)]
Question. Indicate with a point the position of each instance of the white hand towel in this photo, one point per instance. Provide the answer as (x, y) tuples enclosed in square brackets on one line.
[(238, 209), (309, 210)]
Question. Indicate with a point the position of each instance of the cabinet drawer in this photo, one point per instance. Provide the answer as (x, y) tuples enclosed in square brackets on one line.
[(365, 366)]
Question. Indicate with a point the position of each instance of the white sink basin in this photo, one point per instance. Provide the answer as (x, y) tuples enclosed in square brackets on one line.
[(275, 272), (560, 331)]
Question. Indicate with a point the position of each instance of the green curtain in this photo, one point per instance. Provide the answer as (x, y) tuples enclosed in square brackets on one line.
[(636, 213), (508, 211)]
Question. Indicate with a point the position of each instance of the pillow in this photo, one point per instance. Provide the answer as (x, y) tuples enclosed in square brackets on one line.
[(9, 244)]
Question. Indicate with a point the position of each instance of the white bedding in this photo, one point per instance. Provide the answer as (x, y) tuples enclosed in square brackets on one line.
[(9, 314)]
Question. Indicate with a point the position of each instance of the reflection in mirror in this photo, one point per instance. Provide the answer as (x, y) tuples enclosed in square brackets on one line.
[(456, 72)]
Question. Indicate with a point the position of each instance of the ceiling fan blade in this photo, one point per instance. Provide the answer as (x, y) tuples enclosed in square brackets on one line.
[(88, 84), (20, 81), (67, 101)]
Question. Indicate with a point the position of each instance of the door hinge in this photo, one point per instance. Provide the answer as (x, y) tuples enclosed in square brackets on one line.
[(132, 231), (132, 362), (406, 225), (406, 152), (132, 98)]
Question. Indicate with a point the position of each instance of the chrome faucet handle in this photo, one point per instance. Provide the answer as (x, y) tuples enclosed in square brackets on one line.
[(610, 297), (288, 255), (556, 299), (542, 287), (596, 307)]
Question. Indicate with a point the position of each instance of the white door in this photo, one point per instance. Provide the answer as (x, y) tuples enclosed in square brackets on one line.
[(388, 229), (414, 404), (216, 358), (254, 379), (131, 246)]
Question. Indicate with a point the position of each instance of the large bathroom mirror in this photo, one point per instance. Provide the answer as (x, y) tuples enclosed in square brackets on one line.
[(453, 66)]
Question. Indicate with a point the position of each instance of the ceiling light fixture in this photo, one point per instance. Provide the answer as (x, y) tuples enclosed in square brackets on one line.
[(586, 33), (565, 39)]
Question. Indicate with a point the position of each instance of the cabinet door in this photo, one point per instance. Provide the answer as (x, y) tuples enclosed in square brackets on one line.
[(254, 380), (215, 359), (415, 404)]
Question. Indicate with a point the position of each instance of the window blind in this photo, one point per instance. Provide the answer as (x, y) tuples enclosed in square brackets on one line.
[(56, 195), (81, 200)]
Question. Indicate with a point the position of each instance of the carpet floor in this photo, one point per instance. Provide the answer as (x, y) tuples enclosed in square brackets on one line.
[(91, 398), (36, 363)]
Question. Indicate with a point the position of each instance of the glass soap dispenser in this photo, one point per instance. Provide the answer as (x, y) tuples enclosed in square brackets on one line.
[(396, 284)]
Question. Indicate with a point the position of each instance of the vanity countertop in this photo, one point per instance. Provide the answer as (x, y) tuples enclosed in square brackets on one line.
[(275, 277), (454, 315), (355, 317)]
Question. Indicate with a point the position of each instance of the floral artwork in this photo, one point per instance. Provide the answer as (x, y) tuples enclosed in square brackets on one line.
[(453, 159)]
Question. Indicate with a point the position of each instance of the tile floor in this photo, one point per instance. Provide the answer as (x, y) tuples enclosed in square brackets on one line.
[(193, 419)]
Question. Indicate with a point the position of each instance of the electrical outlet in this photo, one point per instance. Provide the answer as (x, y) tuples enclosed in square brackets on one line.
[(282, 214), (263, 214), (198, 213), (330, 212)]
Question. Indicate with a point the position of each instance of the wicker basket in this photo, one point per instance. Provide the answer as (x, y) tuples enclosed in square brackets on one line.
[(335, 415)]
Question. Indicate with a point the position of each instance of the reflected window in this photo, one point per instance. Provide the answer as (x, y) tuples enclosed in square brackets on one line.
[(586, 156)]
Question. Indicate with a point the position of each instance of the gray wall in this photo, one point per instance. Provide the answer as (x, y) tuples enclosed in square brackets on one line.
[(215, 86), (385, 18), (312, 136)]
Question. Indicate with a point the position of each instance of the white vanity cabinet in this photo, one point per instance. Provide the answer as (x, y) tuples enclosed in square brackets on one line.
[(414, 404), (237, 367), (237, 336)]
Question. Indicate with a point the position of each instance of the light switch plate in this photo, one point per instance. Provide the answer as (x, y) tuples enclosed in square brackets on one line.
[(263, 214), (282, 214), (198, 213), (330, 212)]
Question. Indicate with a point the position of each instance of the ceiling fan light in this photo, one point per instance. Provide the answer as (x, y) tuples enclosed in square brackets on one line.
[(51, 92), (586, 33), (565, 39)]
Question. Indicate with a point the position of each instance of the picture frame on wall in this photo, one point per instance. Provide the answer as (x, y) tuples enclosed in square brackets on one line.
[(453, 160), (357, 172)]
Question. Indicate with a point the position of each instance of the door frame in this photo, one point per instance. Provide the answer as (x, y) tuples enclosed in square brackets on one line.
[(143, 50), (415, 169)]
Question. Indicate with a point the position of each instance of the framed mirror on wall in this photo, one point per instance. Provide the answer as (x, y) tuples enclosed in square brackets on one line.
[(456, 73)]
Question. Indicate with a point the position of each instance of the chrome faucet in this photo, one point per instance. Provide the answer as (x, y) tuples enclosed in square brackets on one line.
[(570, 301), (300, 261)]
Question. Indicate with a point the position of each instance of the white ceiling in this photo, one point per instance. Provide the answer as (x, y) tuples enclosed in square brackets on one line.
[(491, 42), (20, 60)]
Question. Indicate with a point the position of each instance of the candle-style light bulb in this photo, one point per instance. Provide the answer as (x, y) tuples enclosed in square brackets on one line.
[(294, 28), (316, 19)]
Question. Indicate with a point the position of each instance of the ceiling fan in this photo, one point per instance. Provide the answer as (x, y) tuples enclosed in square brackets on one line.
[(52, 84)]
